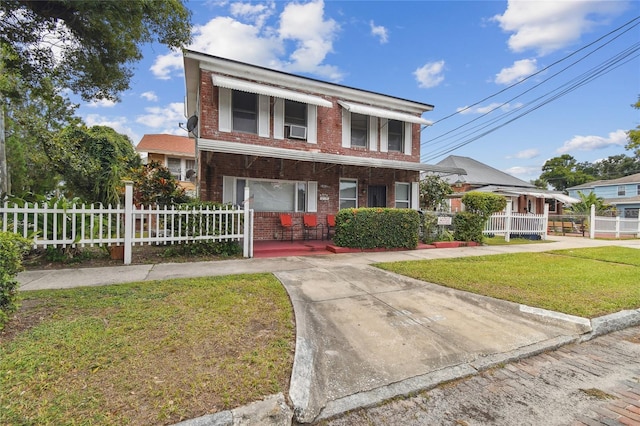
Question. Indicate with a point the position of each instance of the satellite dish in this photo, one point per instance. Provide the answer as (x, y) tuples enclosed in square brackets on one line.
[(192, 123), (191, 175)]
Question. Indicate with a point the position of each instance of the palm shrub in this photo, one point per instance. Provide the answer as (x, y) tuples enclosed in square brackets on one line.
[(12, 248)]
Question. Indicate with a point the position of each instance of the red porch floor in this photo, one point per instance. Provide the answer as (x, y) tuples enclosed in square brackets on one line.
[(277, 248)]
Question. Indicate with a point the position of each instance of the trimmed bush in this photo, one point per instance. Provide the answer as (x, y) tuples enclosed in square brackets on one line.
[(12, 248), (368, 228), (468, 227), (479, 206)]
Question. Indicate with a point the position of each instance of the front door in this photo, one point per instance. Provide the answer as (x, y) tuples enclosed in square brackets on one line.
[(377, 196)]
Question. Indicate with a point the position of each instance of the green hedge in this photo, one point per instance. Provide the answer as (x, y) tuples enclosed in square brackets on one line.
[(12, 248), (377, 228)]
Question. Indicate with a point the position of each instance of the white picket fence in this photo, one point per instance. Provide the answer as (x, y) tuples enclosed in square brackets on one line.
[(613, 226), (128, 225), (508, 223)]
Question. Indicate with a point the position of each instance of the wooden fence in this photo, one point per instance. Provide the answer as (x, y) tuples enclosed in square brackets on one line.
[(128, 225)]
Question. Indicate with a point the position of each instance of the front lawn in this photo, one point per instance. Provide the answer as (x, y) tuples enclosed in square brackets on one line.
[(583, 282), (145, 353)]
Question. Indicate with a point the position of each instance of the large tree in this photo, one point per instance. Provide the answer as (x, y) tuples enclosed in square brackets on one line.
[(563, 172), (634, 135), (88, 46), (92, 161)]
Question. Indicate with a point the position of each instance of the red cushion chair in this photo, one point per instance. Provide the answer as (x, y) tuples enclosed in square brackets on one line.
[(310, 222), (331, 225), (286, 224)]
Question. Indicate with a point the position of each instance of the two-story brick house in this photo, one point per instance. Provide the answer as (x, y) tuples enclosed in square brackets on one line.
[(623, 193), (301, 145)]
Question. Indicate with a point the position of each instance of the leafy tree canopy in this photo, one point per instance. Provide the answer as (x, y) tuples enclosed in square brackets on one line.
[(433, 192), (483, 204), (153, 183), (89, 46), (634, 135), (92, 161), (563, 172)]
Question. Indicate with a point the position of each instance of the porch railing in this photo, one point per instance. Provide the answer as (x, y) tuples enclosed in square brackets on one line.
[(511, 224)]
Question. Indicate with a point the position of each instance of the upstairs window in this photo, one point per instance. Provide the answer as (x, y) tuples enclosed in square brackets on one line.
[(638, 190), (174, 166), (396, 135), (622, 191), (295, 119), (245, 112), (359, 130)]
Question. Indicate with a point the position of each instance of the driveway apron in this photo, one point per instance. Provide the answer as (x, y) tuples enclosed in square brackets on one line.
[(361, 329)]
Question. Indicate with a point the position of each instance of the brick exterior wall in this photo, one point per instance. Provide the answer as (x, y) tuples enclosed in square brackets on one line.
[(213, 166)]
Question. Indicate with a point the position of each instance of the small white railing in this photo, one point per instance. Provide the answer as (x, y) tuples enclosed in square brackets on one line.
[(508, 223), (128, 225)]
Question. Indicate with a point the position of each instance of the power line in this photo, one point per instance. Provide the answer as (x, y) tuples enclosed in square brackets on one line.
[(585, 78), (604, 68)]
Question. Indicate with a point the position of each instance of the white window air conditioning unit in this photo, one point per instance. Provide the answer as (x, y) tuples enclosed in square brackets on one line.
[(297, 132)]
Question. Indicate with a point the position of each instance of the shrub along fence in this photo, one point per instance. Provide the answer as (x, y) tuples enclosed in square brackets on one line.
[(128, 225)]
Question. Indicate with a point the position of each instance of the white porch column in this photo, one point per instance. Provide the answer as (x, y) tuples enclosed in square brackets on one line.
[(592, 222), (507, 223)]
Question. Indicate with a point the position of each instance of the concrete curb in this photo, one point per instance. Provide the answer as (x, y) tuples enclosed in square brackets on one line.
[(271, 411)]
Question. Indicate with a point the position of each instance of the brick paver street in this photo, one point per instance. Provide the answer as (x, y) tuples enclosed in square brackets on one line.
[(593, 383)]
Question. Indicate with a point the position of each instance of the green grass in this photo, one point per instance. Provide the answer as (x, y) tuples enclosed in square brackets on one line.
[(583, 282), (500, 241), (145, 353)]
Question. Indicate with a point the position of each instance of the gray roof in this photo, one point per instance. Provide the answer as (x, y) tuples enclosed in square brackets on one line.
[(480, 174), (635, 178)]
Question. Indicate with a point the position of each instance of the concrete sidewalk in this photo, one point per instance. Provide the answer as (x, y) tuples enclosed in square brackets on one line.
[(365, 335)]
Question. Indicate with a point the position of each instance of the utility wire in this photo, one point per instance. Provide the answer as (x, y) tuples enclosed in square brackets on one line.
[(536, 73), (613, 63)]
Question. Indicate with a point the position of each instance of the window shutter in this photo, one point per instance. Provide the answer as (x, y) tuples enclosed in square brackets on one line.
[(224, 109), (278, 118), (228, 189), (346, 128), (312, 196), (415, 195), (263, 116), (384, 135), (373, 133), (408, 129), (312, 123)]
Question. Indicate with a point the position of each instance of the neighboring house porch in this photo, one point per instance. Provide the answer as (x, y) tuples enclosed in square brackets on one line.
[(177, 153)]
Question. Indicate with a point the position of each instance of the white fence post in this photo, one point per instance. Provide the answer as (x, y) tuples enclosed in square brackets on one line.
[(507, 223), (247, 240), (592, 222), (545, 222), (128, 221)]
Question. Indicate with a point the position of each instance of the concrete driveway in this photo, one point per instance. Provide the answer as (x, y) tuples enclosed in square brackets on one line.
[(365, 335)]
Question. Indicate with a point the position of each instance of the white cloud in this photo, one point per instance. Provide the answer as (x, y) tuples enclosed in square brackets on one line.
[(430, 74), (547, 26), (590, 143), (517, 72), (246, 38), (164, 119), (101, 103), (150, 96), (488, 108), (256, 13), (380, 32), (523, 171), (119, 124), (526, 154)]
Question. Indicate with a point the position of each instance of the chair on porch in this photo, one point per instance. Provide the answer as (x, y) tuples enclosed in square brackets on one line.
[(286, 224), (310, 222), (331, 225)]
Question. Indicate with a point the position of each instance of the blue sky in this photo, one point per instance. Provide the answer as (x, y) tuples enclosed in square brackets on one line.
[(451, 54)]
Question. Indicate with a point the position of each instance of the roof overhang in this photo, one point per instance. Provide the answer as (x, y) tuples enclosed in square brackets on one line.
[(319, 157), (516, 192), (383, 113), (263, 89)]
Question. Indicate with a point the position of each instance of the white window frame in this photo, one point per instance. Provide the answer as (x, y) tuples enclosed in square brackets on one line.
[(182, 174), (402, 137), (403, 203), (622, 191), (340, 198), (231, 195)]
